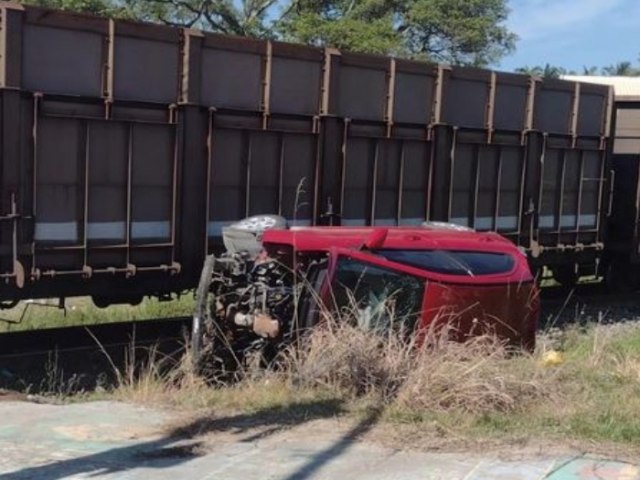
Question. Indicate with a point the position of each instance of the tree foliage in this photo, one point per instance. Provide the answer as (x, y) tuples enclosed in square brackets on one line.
[(247, 18), (548, 71), (96, 7), (620, 69), (355, 27), (456, 31)]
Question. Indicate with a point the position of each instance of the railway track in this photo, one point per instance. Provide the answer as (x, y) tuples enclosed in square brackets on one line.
[(82, 358), (93, 337), (586, 303), (589, 300), (77, 358)]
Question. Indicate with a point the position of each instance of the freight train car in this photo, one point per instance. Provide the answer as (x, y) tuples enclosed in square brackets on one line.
[(623, 235), (126, 147)]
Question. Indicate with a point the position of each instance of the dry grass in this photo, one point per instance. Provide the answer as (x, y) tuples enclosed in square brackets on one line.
[(440, 375), (476, 390), (179, 388), (155, 377)]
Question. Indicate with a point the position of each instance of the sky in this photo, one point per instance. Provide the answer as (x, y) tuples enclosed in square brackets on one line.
[(574, 33)]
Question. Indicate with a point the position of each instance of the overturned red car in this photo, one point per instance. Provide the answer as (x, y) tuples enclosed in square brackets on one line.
[(274, 282)]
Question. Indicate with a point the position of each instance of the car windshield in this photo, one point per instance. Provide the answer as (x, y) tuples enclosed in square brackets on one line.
[(450, 262)]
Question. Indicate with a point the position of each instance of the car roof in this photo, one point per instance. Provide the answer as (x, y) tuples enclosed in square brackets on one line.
[(397, 238)]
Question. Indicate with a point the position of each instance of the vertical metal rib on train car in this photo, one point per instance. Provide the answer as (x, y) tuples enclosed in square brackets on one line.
[(266, 85), (34, 191), (560, 206), (129, 192), (432, 124), (173, 120), (476, 186), (85, 219), (343, 173), (315, 208), (431, 152), (535, 218), (579, 202), (608, 128), (247, 188), (391, 89), (523, 179), (280, 193), (389, 119), (207, 219), (490, 108), (452, 163), (573, 131), (496, 211), (16, 272), (109, 65), (573, 120), (374, 181), (603, 168), (400, 183), (533, 209), (438, 95)]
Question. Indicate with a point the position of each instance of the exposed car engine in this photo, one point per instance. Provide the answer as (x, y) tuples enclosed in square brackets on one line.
[(245, 301)]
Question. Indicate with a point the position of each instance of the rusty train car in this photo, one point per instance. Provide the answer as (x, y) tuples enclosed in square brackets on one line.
[(126, 147), (623, 226)]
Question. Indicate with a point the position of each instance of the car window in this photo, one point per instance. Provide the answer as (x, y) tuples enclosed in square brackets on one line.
[(453, 262), (379, 298)]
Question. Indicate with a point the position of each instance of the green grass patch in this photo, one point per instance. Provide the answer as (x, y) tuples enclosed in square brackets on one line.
[(44, 314), (594, 395)]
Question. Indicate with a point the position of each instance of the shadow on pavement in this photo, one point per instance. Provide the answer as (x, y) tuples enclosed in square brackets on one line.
[(111, 461), (266, 421), (181, 445), (338, 448)]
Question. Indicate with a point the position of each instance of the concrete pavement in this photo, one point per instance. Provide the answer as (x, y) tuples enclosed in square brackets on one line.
[(109, 440)]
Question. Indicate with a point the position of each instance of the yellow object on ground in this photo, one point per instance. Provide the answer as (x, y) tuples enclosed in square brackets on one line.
[(552, 358)]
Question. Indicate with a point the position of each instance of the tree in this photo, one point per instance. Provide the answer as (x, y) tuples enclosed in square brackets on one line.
[(621, 69), (96, 7), (589, 71), (625, 69), (548, 71), (246, 18), (366, 26), (468, 32)]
